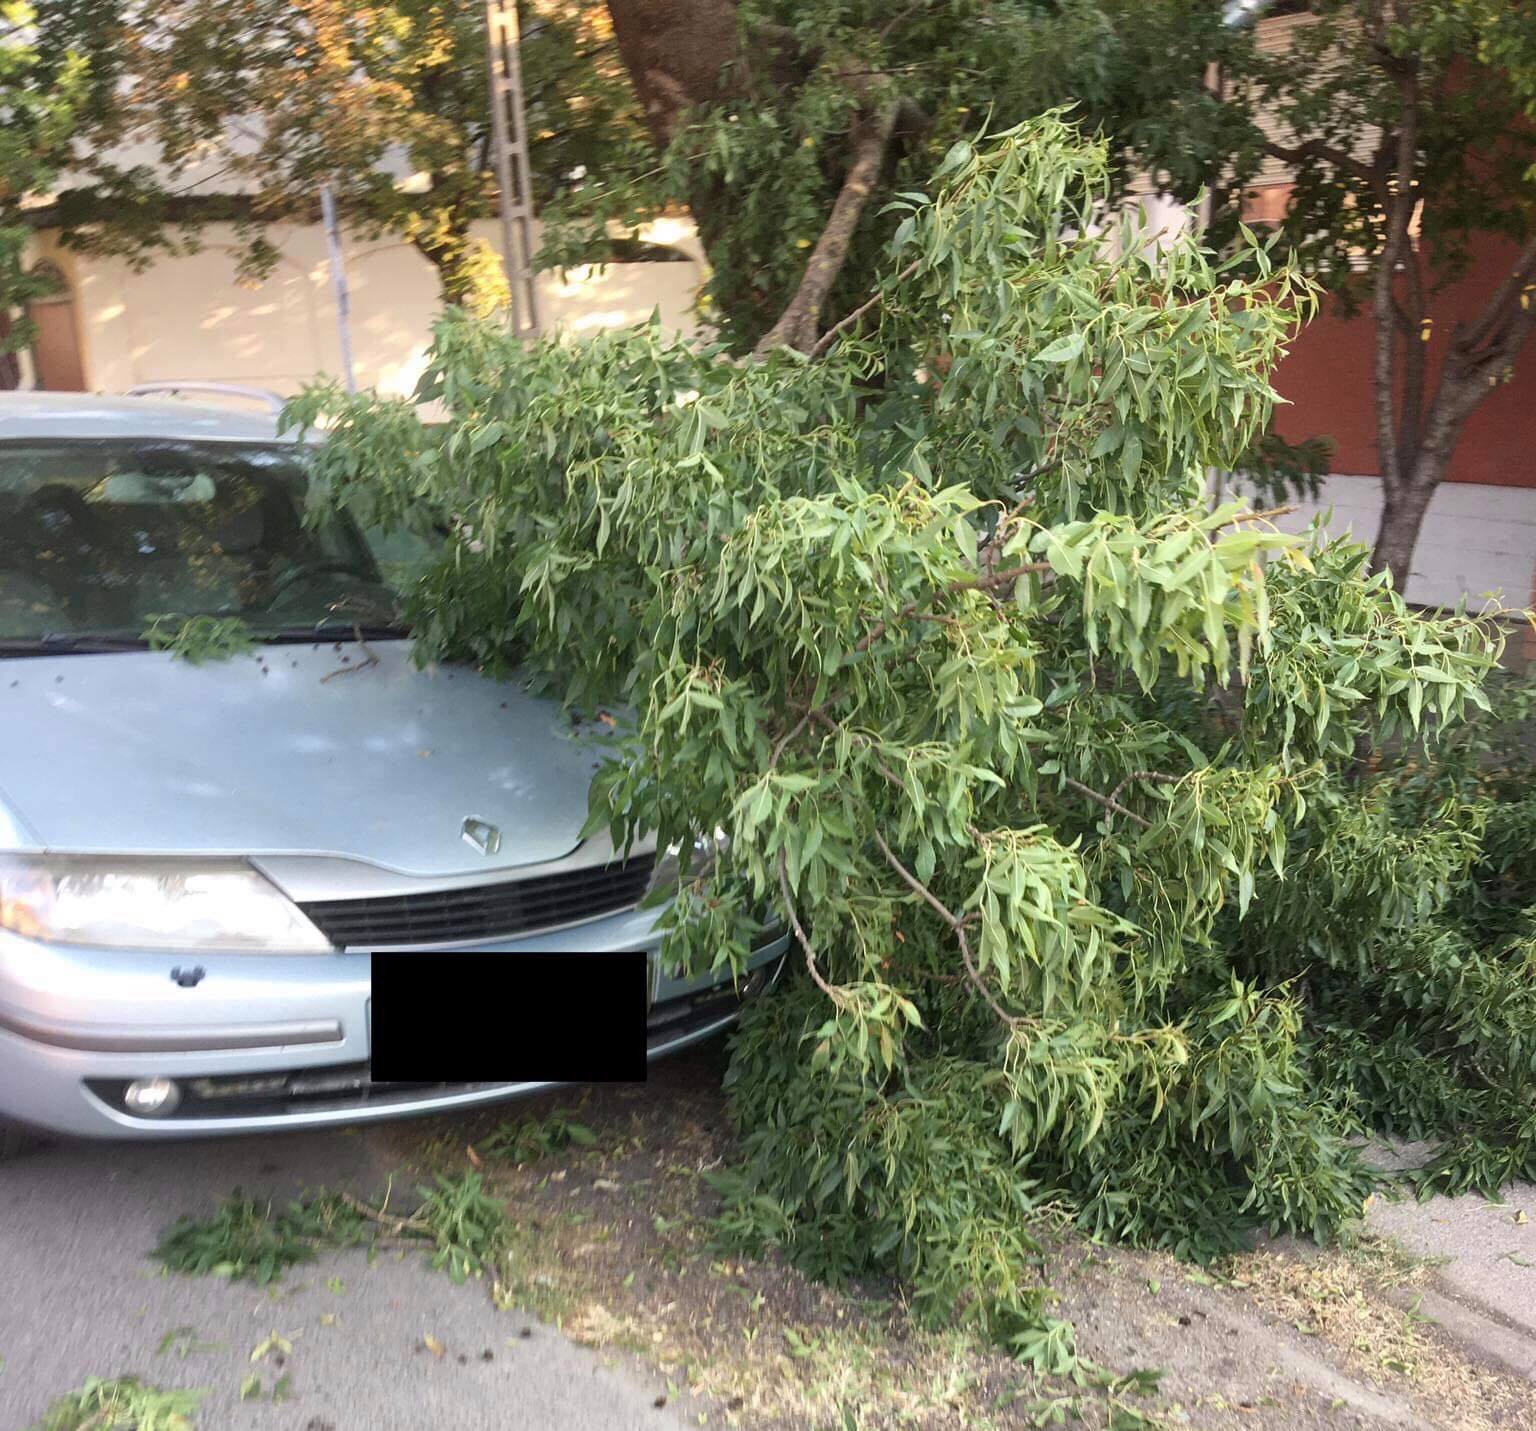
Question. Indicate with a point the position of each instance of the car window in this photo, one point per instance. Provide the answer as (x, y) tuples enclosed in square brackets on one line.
[(100, 537)]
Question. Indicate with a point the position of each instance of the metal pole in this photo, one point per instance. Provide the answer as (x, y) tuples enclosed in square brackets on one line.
[(1235, 15), (509, 146), (339, 283)]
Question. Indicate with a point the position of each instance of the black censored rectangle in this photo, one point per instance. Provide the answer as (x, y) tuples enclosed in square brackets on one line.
[(472, 1017)]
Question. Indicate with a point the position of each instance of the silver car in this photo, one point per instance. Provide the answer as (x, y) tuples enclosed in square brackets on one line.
[(197, 859)]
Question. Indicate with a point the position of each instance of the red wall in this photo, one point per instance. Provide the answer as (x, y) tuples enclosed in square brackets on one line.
[(1327, 379)]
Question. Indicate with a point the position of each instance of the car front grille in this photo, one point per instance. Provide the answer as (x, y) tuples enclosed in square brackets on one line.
[(483, 911), (332, 1087)]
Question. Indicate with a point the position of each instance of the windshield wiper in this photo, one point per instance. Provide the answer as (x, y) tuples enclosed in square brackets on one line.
[(69, 643), (336, 628)]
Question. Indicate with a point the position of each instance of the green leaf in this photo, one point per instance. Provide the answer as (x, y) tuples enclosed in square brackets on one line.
[(1063, 350)]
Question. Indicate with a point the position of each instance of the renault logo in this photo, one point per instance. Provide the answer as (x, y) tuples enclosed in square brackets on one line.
[(483, 836)]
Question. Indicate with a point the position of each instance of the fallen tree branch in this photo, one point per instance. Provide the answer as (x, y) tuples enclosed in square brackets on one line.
[(384, 1219), (1156, 776), (1267, 515), (796, 327)]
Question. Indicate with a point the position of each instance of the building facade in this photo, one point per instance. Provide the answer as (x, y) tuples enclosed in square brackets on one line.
[(185, 318)]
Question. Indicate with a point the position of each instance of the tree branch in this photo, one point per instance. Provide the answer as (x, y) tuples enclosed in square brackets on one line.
[(1266, 515), (836, 995), (1410, 427), (843, 324), (1399, 215), (1156, 776), (957, 926), (1317, 149), (1107, 801), (1505, 299), (1473, 365), (796, 327)]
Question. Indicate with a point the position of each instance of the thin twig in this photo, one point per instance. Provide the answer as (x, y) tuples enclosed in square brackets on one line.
[(836, 995), (1107, 802), (374, 1214), (392, 1244), (957, 925), (916, 885), (878, 630), (900, 18), (368, 651), (1153, 775), (831, 335), (788, 738), (1001, 578), (1268, 514)]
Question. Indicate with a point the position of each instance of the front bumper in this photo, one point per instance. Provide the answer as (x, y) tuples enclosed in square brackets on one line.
[(76, 1025)]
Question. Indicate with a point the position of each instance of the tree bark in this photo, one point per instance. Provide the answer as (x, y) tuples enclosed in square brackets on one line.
[(1480, 356), (1402, 515), (446, 250)]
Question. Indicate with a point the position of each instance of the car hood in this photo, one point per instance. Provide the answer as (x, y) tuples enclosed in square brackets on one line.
[(277, 753)]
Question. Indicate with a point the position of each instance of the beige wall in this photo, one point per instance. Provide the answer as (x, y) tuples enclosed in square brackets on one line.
[(186, 318)]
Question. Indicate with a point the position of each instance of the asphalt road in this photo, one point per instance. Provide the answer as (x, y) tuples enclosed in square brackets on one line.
[(78, 1298)]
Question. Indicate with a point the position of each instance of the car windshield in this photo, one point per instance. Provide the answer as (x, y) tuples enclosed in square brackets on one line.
[(98, 538)]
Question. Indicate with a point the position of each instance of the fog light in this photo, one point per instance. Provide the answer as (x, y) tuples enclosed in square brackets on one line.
[(151, 1097)]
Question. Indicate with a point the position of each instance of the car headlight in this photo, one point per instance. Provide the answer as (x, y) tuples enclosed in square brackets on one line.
[(130, 903), (669, 863)]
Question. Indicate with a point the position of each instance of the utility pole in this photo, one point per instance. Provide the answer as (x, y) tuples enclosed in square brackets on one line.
[(338, 283), (509, 146)]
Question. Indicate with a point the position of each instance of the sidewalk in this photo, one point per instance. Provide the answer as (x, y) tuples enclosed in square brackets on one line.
[(1487, 1286)]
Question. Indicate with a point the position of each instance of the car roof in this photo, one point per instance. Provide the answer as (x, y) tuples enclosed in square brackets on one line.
[(94, 415)]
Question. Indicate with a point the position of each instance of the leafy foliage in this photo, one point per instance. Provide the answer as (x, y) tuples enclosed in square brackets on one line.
[(1040, 753), (39, 98), (121, 1403), (199, 638), (526, 1140), (385, 100), (467, 1226), (455, 1219), (247, 1240), (1424, 1019)]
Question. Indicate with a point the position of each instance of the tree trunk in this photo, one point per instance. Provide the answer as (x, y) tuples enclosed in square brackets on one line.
[(676, 53), (682, 54), (1402, 516)]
